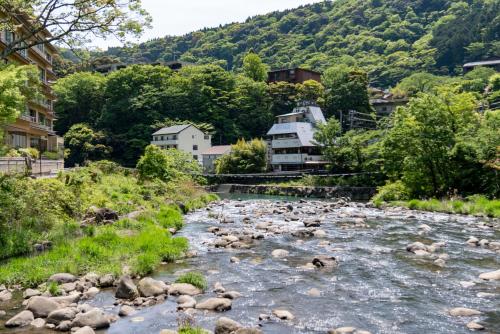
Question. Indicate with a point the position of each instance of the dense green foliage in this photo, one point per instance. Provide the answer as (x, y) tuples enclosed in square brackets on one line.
[(389, 39), (245, 157), (166, 165), (84, 144)]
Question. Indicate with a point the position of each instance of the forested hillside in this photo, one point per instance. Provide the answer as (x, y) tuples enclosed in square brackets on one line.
[(390, 39)]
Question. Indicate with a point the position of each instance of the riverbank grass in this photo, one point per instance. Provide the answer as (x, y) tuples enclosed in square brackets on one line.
[(193, 278), (473, 205)]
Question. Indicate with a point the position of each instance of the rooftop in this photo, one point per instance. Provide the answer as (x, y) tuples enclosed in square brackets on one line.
[(217, 150), (305, 131), (172, 129), (483, 63)]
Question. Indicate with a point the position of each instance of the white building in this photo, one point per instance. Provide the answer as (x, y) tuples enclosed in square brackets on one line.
[(210, 155), (187, 138), (292, 140)]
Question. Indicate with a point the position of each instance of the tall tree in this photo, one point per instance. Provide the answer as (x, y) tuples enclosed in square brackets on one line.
[(254, 68), (71, 22)]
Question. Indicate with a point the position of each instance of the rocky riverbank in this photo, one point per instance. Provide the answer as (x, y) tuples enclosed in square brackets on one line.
[(281, 267)]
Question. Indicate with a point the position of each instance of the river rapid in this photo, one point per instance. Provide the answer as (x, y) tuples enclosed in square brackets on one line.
[(377, 286), (330, 264)]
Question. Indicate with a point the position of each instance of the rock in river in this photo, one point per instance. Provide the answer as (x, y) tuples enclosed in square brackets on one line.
[(279, 253), (463, 312), (85, 330), (215, 304), (226, 326), (126, 289), (63, 314), (20, 320), (283, 314), (183, 289), (62, 278), (185, 302), (94, 318), (5, 295), (325, 262), (126, 311), (42, 306), (150, 287), (491, 276)]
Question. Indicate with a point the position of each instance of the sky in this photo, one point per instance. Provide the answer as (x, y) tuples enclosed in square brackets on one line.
[(178, 17)]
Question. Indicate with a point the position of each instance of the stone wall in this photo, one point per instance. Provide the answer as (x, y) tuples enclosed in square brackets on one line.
[(354, 193)]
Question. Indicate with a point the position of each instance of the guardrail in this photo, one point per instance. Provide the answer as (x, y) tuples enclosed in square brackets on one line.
[(38, 167)]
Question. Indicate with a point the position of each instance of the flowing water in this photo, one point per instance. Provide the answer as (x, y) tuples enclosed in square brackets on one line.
[(378, 286)]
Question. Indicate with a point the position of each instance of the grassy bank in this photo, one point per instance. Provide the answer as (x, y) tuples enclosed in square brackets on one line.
[(35, 211), (474, 205)]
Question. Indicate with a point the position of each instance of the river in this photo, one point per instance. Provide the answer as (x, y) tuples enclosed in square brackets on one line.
[(378, 285)]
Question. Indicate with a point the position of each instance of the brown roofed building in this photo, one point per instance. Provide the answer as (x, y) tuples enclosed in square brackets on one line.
[(293, 75)]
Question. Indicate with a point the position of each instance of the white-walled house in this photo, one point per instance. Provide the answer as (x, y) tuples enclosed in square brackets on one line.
[(212, 154), (292, 140), (187, 138)]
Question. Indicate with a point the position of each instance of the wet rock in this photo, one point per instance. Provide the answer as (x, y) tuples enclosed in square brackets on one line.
[(150, 287), (484, 243), (283, 314), (240, 245), (424, 228), (84, 330), (2, 313), (126, 310), (60, 315), (466, 284), (279, 253), (21, 319), (185, 302), (303, 234), (263, 317), (64, 326), (94, 318), (92, 278), (319, 234), (65, 301), (183, 289), (219, 288), (42, 306), (106, 281), (262, 225), (231, 294), (463, 312), (62, 278), (491, 276), (325, 262), (494, 245), (90, 293), (221, 243), (473, 241), (440, 263), (485, 295), (5, 295), (215, 304), (68, 287), (312, 224), (234, 259), (416, 246), (314, 292), (225, 325), (38, 323), (126, 289), (475, 326), (28, 293), (347, 330)]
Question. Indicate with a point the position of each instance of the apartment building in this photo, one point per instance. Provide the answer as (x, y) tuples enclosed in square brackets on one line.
[(292, 140), (187, 138), (35, 126)]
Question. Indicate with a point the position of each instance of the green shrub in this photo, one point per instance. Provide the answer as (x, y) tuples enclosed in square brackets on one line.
[(194, 278), (146, 263), (53, 289), (395, 191), (170, 216)]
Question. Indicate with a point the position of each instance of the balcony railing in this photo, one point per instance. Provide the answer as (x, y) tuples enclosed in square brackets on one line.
[(294, 158), (286, 143)]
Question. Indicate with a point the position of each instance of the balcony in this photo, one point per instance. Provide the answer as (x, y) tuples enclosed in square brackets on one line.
[(277, 159), (286, 143), (165, 142)]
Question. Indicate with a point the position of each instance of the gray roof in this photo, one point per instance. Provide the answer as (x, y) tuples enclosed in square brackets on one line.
[(305, 131), (317, 114), (172, 129), (483, 63)]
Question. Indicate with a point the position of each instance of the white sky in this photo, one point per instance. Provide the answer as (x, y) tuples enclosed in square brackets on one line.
[(178, 17)]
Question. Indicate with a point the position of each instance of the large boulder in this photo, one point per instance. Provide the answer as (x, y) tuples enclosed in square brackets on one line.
[(463, 312), (185, 302), (60, 315), (283, 314), (215, 304), (149, 287), (226, 326), (42, 306), (94, 318), (491, 276), (126, 311), (20, 320), (5, 295), (126, 289), (106, 281), (183, 289), (28, 293), (279, 253), (62, 278), (65, 301), (85, 330)]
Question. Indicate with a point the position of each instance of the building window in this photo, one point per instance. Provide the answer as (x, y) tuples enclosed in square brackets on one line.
[(35, 142), (43, 75), (207, 137), (195, 157), (193, 136), (195, 147), (174, 137), (17, 140), (41, 119), (9, 37), (33, 115)]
